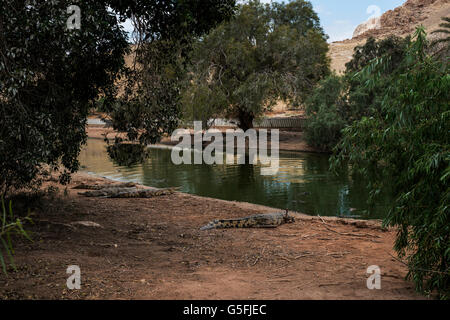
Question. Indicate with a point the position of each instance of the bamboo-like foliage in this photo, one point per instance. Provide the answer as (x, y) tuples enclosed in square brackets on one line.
[(9, 225), (409, 142), (445, 30), (440, 47)]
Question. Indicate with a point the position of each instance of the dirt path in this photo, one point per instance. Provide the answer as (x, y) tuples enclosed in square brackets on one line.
[(153, 249)]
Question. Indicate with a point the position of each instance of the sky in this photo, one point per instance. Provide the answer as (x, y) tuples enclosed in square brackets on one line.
[(339, 18)]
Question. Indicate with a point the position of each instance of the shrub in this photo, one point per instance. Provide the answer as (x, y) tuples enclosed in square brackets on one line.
[(324, 111), (339, 101)]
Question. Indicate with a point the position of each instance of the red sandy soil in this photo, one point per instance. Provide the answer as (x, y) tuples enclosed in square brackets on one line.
[(153, 249)]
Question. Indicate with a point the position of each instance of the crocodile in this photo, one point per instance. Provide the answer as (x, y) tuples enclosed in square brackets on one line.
[(104, 186), (266, 220), (128, 192)]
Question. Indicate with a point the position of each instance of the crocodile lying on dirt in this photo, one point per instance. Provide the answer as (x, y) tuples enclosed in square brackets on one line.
[(112, 192), (266, 220), (104, 186)]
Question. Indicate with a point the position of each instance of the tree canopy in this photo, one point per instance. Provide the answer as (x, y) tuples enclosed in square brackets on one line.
[(151, 104), (50, 75), (263, 54)]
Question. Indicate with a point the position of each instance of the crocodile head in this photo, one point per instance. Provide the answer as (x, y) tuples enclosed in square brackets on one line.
[(287, 218)]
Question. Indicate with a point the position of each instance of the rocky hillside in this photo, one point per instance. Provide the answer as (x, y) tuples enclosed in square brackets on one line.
[(371, 24), (401, 22)]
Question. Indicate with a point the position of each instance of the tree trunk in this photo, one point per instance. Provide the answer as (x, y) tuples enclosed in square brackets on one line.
[(245, 119)]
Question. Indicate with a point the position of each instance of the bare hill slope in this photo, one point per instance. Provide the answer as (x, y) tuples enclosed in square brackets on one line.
[(401, 22)]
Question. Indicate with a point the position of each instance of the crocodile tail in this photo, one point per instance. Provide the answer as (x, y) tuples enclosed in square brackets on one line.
[(228, 224), (212, 225)]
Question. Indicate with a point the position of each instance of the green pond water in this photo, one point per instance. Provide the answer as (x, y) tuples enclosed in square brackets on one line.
[(303, 182)]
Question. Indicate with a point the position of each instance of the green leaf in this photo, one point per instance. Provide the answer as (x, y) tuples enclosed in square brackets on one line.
[(2, 261), (24, 233), (10, 210), (3, 214), (8, 252)]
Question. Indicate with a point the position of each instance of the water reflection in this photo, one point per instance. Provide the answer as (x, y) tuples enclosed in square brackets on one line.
[(302, 183), (126, 154)]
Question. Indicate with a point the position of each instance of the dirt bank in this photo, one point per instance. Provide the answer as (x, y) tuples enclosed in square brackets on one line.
[(291, 141), (153, 249)]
